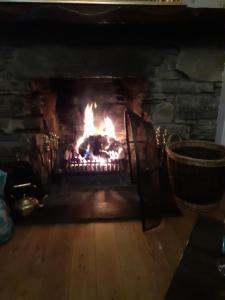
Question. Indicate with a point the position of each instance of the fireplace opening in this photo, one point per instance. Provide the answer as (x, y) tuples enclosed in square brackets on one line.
[(87, 117), (90, 118), (83, 150)]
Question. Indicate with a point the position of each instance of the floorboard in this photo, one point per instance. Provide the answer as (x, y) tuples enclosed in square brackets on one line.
[(95, 261)]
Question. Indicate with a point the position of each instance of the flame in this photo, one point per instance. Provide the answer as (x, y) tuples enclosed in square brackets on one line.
[(89, 127), (107, 129)]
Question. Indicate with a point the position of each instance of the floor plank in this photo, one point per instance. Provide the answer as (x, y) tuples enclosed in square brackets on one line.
[(30, 274), (13, 262), (58, 261), (83, 282), (137, 271), (110, 279), (95, 261)]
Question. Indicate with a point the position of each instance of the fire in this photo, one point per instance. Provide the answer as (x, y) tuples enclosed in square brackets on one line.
[(109, 128), (89, 127), (97, 144)]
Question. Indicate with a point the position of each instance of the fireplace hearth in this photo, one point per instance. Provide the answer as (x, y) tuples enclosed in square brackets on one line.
[(83, 150)]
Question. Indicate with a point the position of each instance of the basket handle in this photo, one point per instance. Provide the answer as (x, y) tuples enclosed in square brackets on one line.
[(173, 138)]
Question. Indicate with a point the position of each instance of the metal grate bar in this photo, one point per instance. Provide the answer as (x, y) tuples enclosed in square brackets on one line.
[(93, 167)]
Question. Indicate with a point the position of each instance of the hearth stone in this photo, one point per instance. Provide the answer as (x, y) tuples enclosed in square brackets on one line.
[(69, 204)]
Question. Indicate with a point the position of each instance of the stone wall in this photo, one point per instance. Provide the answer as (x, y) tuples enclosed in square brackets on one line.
[(26, 109), (183, 95), (183, 87), (18, 113)]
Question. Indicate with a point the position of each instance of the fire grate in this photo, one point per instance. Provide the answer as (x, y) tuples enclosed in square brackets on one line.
[(90, 167)]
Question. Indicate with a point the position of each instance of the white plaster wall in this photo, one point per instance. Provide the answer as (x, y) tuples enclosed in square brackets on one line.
[(205, 3), (220, 133)]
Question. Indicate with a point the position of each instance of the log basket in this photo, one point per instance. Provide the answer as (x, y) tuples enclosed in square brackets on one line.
[(197, 172)]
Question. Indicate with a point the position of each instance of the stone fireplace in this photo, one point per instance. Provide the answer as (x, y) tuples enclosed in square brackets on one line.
[(175, 86), (172, 80)]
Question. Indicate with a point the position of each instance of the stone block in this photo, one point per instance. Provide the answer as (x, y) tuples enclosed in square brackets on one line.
[(187, 122), (207, 122), (170, 62), (182, 130), (168, 75), (10, 125), (163, 113), (194, 107), (218, 91), (181, 87), (6, 57), (14, 106), (57, 61), (20, 106), (202, 63), (204, 132), (33, 123), (7, 150), (10, 137), (10, 143), (219, 84), (158, 97), (12, 85), (167, 69)]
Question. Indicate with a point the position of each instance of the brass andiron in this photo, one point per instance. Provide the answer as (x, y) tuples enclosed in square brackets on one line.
[(161, 140), (49, 151)]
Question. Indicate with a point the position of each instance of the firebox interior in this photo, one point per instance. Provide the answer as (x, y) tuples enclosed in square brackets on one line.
[(94, 182), (90, 121)]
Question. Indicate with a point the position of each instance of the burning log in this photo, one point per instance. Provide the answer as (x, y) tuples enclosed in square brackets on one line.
[(97, 150), (99, 146)]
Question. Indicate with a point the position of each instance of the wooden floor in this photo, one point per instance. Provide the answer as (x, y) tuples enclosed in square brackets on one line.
[(104, 261)]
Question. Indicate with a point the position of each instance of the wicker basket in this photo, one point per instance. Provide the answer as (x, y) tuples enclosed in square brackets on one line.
[(197, 172)]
